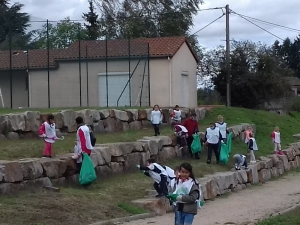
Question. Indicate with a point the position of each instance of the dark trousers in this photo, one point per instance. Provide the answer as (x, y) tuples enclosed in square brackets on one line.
[(189, 143), (181, 140), (79, 165), (161, 188), (156, 129), (215, 148)]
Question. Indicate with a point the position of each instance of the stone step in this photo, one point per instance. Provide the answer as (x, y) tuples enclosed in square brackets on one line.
[(159, 206)]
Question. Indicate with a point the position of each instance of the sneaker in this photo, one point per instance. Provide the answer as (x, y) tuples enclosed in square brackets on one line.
[(280, 153), (252, 162), (180, 148), (237, 168), (246, 168), (208, 162)]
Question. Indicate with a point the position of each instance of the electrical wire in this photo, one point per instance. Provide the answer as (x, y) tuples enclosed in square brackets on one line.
[(268, 23), (207, 25), (258, 26)]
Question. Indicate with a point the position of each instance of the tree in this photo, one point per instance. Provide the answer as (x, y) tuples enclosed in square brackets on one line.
[(256, 76), (61, 35), (91, 17), (13, 25), (153, 18)]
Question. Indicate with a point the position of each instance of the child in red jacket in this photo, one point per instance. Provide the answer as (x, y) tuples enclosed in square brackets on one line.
[(191, 124), (48, 133), (276, 140)]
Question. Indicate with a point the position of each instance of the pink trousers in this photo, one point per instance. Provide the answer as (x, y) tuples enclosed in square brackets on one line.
[(47, 150)]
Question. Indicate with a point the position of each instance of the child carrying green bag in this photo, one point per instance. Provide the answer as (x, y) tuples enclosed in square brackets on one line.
[(196, 144)]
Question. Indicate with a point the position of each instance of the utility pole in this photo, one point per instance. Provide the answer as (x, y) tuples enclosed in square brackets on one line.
[(228, 91)]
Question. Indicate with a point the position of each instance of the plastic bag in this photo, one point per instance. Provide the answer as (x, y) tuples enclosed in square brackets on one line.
[(229, 142), (87, 173), (224, 155), (196, 144)]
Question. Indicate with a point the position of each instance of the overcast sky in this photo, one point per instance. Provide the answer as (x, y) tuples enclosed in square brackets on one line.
[(280, 12)]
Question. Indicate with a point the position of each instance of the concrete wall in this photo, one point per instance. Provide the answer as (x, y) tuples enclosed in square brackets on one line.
[(183, 62), (19, 89), (65, 88)]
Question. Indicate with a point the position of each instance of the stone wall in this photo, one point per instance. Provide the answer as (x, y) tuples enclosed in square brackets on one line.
[(108, 159), (221, 183), (26, 125)]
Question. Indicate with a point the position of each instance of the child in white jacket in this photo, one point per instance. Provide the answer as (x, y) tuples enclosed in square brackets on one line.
[(156, 119)]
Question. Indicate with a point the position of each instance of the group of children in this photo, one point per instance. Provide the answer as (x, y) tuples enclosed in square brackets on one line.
[(179, 186)]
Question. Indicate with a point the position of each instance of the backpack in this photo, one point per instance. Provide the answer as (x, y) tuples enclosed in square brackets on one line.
[(93, 139)]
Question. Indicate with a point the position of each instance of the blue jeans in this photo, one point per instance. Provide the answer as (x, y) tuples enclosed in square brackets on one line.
[(182, 218)]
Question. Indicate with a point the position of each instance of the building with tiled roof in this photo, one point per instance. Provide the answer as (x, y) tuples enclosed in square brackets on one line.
[(162, 71)]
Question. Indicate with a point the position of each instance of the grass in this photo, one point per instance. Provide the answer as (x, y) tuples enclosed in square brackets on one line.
[(111, 198), (291, 218)]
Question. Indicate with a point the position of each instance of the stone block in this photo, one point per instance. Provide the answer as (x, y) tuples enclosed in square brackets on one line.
[(5, 125), (252, 174), (275, 158), (69, 122), (201, 113), (99, 127), (293, 165), (103, 171), (166, 153), (290, 153), (132, 160), (153, 145), (274, 172), (135, 125), (116, 168), (267, 163), (142, 114), (11, 171), (133, 114), (32, 121), (264, 175), (297, 159), (53, 168), (280, 171), (12, 135), (104, 153), (121, 115), (104, 114), (145, 156), (17, 121), (284, 160), (31, 168), (154, 205), (158, 140), (209, 188), (224, 181), (120, 148), (59, 120), (237, 188), (242, 177)]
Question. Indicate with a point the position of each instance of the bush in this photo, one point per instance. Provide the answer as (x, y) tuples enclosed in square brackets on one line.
[(296, 104)]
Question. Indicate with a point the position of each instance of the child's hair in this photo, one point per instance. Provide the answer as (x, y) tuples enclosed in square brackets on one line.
[(176, 106), (79, 120), (189, 168), (50, 117), (177, 168), (151, 160), (193, 114), (155, 106), (220, 117), (212, 123), (276, 128)]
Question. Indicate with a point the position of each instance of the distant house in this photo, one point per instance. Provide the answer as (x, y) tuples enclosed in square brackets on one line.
[(294, 82), (162, 71)]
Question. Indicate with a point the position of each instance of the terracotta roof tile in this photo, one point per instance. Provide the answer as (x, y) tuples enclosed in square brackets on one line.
[(158, 47)]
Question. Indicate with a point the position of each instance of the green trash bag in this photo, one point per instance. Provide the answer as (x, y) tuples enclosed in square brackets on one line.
[(229, 142), (87, 173), (196, 144), (224, 155)]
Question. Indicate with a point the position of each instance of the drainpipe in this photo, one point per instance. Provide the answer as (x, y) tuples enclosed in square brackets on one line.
[(170, 80)]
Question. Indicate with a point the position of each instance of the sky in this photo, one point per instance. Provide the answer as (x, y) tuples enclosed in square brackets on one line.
[(285, 13)]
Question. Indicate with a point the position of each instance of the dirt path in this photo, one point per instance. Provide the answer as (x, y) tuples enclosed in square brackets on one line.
[(239, 208)]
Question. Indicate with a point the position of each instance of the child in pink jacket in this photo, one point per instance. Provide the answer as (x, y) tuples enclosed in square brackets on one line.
[(48, 133)]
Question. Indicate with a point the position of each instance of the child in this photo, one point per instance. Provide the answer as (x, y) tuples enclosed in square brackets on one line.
[(276, 140), (156, 119), (186, 196), (222, 127), (212, 139), (182, 133), (158, 174), (247, 134), (48, 133), (239, 161), (174, 181), (252, 146), (176, 115)]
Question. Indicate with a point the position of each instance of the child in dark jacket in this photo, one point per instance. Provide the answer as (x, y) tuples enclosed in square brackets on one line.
[(186, 196), (191, 124)]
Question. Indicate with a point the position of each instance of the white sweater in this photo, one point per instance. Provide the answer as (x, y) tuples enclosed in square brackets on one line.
[(156, 117)]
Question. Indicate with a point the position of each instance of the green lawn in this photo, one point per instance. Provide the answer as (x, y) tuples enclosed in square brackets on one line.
[(111, 198), (291, 218)]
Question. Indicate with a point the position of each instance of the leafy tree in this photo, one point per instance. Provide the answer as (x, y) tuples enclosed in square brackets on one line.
[(61, 35), (256, 76), (93, 26), (13, 25)]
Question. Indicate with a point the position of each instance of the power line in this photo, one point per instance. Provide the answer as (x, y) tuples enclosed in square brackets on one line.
[(208, 25), (269, 23), (258, 26)]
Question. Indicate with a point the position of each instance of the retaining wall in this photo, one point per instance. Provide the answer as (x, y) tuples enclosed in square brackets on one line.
[(26, 125), (108, 159), (221, 183)]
